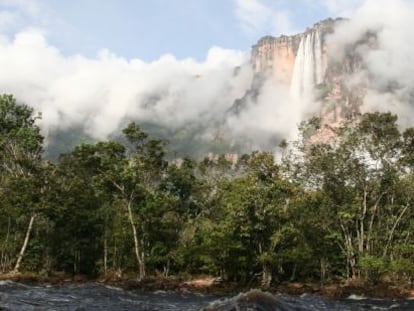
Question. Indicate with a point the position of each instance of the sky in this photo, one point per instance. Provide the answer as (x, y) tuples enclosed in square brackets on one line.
[(93, 65), (147, 29)]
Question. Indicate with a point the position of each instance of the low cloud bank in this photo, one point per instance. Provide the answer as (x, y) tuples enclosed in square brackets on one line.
[(99, 95)]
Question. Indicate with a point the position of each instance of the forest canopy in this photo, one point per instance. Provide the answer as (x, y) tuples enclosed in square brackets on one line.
[(325, 211)]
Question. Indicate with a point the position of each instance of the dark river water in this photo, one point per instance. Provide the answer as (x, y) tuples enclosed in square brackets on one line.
[(15, 296)]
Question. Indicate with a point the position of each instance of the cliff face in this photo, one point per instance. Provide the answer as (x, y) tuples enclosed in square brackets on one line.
[(302, 63), (275, 57)]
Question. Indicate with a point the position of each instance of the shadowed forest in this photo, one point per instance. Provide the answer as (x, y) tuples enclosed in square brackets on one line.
[(327, 211)]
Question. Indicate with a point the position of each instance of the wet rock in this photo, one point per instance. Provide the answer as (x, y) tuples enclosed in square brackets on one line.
[(253, 300)]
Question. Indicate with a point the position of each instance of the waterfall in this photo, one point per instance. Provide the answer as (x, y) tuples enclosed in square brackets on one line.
[(308, 70), (296, 83), (319, 68)]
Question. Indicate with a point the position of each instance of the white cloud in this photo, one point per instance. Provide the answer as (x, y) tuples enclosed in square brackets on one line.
[(342, 8), (256, 18), (19, 14), (101, 93), (28, 7), (388, 60)]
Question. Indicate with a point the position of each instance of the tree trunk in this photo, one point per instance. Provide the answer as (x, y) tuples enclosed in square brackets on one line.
[(371, 222), (350, 253), (105, 253), (361, 224), (266, 276), (354, 271), (391, 235), (26, 241), (140, 258), (166, 269), (4, 256), (324, 269)]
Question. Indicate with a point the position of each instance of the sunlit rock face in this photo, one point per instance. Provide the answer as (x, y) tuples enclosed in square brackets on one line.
[(275, 57)]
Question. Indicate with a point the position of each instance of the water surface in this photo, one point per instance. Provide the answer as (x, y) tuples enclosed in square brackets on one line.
[(93, 296)]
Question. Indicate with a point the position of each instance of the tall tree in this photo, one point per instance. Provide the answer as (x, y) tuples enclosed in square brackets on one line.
[(20, 163)]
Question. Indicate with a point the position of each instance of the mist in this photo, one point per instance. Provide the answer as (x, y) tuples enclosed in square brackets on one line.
[(100, 95), (387, 58)]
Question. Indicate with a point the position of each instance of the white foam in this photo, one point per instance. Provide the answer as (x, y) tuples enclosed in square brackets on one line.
[(356, 297)]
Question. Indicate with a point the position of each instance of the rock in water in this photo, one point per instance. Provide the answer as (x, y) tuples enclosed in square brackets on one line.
[(253, 300)]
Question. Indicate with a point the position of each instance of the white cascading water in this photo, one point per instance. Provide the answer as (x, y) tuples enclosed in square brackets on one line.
[(319, 67), (308, 70)]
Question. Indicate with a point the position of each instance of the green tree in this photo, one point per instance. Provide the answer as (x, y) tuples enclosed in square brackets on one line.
[(20, 167), (358, 172)]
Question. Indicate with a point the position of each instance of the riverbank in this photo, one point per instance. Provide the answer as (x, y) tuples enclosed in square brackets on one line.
[(215, 286)]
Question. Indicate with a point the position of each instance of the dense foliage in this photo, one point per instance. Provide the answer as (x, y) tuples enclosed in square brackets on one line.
[(325, 211)]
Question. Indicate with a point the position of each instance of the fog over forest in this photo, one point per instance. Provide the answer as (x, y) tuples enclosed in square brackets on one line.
[(192, 100)]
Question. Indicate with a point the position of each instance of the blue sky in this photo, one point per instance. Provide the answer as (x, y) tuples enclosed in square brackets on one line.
[(147, 29), (96, 63)]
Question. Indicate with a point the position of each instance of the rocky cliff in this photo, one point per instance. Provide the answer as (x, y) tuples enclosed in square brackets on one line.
[(275, 57), (280, 56), (302, 62)]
